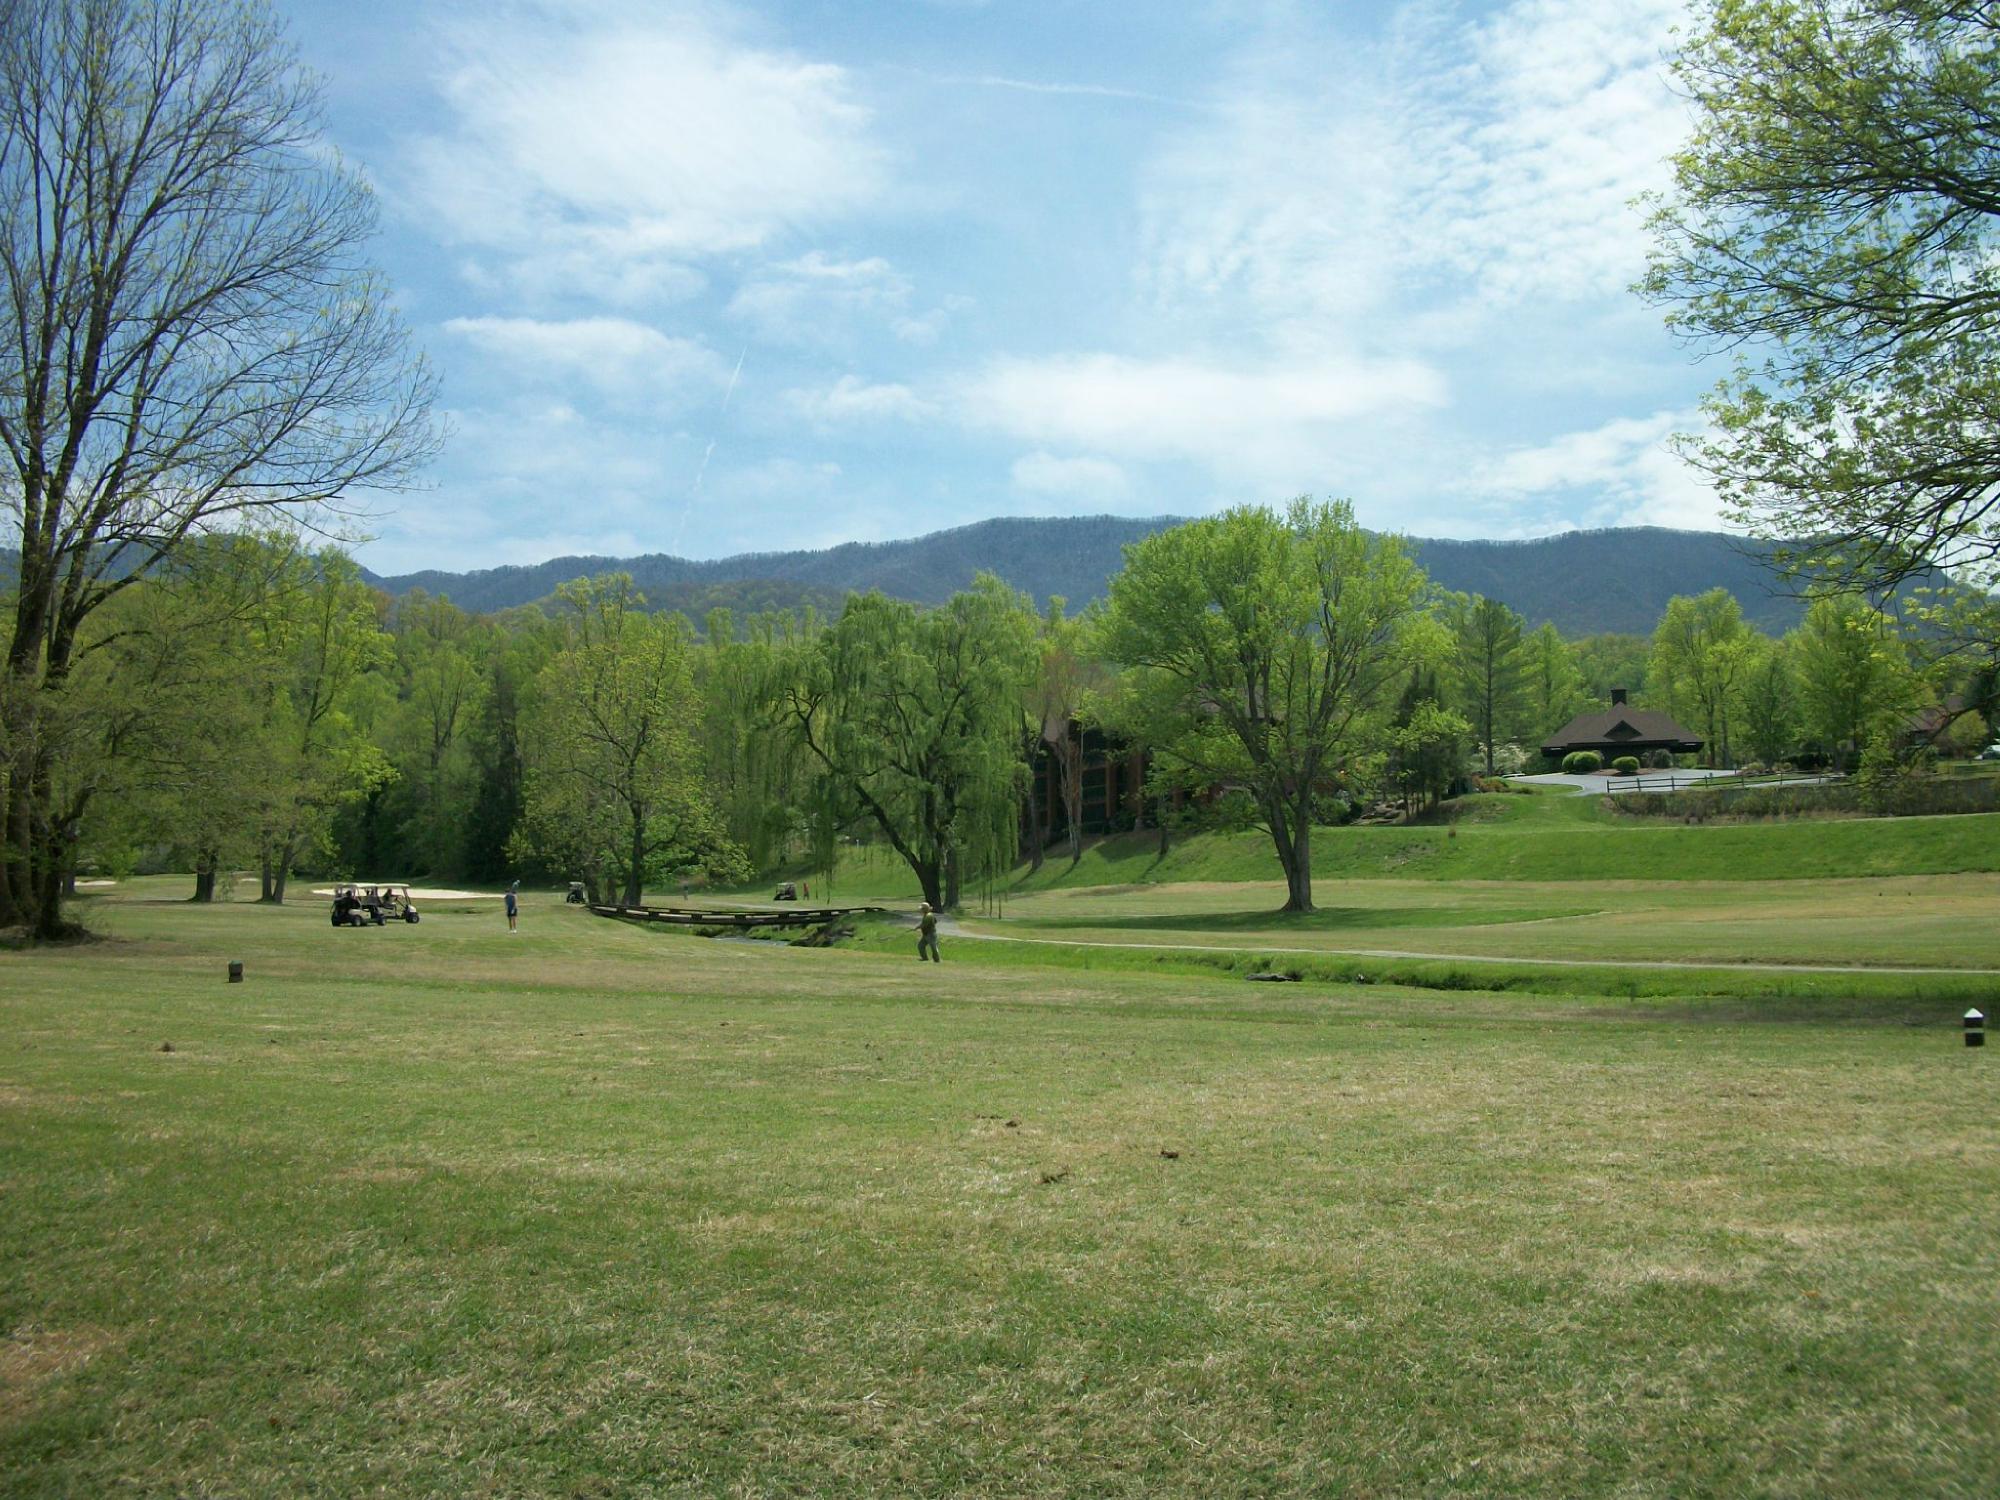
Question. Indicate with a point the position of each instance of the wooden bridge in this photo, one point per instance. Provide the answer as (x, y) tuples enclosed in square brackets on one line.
[(686, 916)]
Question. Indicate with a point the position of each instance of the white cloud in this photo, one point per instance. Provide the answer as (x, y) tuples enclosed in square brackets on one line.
[(852, 399), (1071, 478), (600, 147), (818, 299), (1473, 164), (821, 300), (1239, 420), (1069, 90), (617, 356), (1621, 473), (817, 265)]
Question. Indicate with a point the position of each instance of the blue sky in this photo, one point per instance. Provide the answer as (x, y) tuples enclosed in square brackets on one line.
[(708, 278)]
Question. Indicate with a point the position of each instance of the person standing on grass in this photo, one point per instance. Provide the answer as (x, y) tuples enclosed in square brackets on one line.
[(927, 933), (514, 907)]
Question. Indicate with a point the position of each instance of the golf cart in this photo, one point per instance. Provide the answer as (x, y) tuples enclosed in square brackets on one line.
[(575, 896), (372, 905), (787, 892)]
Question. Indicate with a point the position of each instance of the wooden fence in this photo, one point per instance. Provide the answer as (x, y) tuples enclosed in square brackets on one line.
[(682, 916)]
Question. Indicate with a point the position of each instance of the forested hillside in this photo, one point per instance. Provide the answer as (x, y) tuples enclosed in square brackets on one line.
[(1583, 581)]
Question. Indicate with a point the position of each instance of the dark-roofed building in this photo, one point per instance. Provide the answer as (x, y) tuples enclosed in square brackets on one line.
[(1621, 730)]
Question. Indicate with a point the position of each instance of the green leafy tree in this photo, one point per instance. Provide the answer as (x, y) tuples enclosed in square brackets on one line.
[(442, 688), (1833, 219), (523, 640), (1426, 744), (1554, 684), (613, 786), (1260, 646), (1611, 660), (1067, 679), (192, 337), (193, 674), (1490, 668), (1770, 712), (914, 716), (160, 712), (318, 629), (1700, 650), (765, 789), (1854, 678)]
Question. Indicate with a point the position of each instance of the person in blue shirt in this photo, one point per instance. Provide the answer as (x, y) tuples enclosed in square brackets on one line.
[(514, 907)]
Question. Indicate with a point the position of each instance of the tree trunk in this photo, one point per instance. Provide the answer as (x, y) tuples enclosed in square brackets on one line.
[(1298, 877), (48, 894), (205, 862), (1071, 763), (276, 873), (635, 873), (16, 887), (1037, 835), (48, 854), (1291, 832)]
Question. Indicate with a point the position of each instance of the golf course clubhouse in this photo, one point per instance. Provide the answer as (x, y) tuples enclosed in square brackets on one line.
[(1621, 730)]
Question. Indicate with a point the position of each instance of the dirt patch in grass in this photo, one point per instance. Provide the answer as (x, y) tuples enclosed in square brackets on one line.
[(378, 1174), (30, 1358)]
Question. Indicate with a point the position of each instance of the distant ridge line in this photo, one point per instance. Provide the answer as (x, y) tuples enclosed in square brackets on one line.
[(1607, 579)]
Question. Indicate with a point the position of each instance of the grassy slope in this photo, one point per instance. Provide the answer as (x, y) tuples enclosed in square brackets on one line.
[(599, 1210), (1547, 838), (1541, 837)]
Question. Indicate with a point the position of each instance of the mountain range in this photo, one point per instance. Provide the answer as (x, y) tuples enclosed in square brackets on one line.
[(1581, 581)]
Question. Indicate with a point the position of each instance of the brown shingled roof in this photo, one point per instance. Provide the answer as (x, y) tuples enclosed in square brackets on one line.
[(1615, 728)]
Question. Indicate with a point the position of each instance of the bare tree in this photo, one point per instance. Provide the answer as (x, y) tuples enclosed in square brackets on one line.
[(189, 334)]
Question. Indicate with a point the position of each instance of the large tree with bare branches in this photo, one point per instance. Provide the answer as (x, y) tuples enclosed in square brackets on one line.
[(189, 334)]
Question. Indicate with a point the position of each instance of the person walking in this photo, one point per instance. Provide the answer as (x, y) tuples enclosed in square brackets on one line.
[(927, 934), (514, 907)]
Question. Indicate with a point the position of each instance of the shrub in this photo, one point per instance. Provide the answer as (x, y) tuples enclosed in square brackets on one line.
[(1661, 760), (1626, 765), (1909, 796), (1581, 762)]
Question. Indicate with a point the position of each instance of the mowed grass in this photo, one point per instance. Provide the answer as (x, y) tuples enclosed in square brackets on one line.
[(603, 1210), (1539, 838), (1545, 837), (1913, 922)]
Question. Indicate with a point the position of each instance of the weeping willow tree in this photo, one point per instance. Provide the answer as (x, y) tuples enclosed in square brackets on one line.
[(614, 786), (766, 791), (913, 717), (988, 840)]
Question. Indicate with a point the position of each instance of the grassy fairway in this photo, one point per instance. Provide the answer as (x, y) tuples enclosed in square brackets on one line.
[(599, 1210), (1920, 921)]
